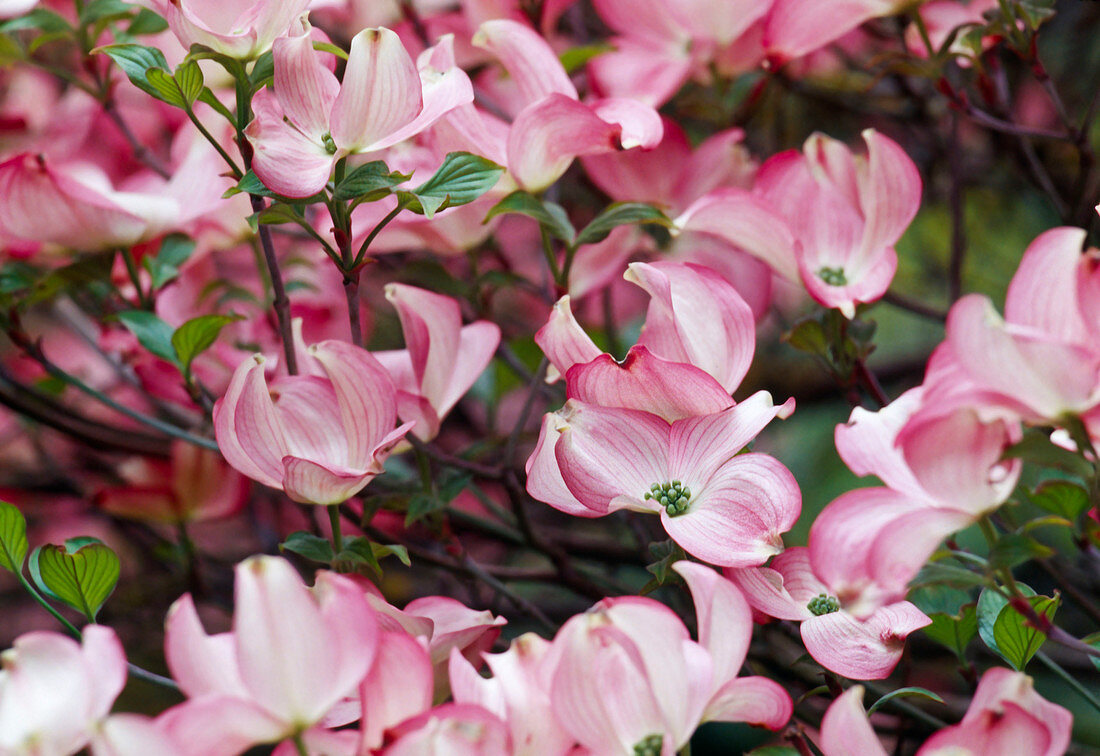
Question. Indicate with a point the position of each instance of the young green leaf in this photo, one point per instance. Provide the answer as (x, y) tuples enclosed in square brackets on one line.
[(136, 61), (954, 631), (146, 22), (82, 573), (151, 332), (310, 546), (163, 267), (13, 538), (549, 215), (461, 179), (369, 182), (1061, 497), (249, 184), (620, 214), (197, 335), (1017, 641), (41, 19)]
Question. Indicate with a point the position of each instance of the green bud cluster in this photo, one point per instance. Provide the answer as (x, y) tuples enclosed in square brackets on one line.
[(650, 745), (833, 276), (674, 497), (330, 144), (822, 604)]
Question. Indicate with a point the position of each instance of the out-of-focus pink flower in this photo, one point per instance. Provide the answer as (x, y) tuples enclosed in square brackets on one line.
[(293, 654), (723, 507), (195, 485), (664, 683), (55, 692), (660, 44), (13, 8), (860, 649), (75, 206), (846, 212), (1040, 361), (551, 126), (133, 735), (798, 27), (518, 693), (451, 730), (1005, 716), (320, 438), (442, 360), (308, 120), (941, 18), (242, 29)]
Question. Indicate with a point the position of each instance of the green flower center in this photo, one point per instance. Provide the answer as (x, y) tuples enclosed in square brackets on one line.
[(330, 144), (833, 276), (650, 745), (822, 604), (674, 497)]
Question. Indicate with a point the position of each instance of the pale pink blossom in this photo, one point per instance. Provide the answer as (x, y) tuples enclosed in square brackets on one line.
[(846, 213), (13, 8), (451, 730), (660, 44), (442, 358), (308, 120), (242, 29), (133, 735), (797, 27), (664, 684), (723, 507), (55, 692), (293, 654), (861, 649), (321, 437)]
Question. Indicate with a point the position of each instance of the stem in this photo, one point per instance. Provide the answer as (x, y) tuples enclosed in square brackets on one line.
[(551, 259), (914, 306), (280, 301), (362, 253), (337, 536), (237, 172), (300, 744), (1070, 680), (135, 277)]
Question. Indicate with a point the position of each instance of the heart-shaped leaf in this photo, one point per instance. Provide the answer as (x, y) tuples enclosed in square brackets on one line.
[(82, 573), (1017, 640), (13, 538)]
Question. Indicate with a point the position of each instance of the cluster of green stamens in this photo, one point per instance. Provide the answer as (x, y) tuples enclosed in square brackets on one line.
[(330, 144), (833, 276), (650, 745), (674, 497), (822, 604)]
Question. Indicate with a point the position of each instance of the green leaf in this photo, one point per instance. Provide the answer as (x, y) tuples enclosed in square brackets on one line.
[(136, 61), (189, 79), (165, 88), (84, 271), (1061, 497), (310, 546), (665, 554), (40, 19), (197, 335), (421, 505), (151, 332), (549, 215), (956, 631), (369, 182), (947, 574), (990, 604), (773, 750), (361, 551), (210, 99), (146, 22), (13, 538), (1017, 641), (175, 250), (263, 70), (620, 214), (97, 10), (461, 179), (82, 573), (808, 335), (900, 692), (1094, 641), (1037, 448), (1013, 549), (249, 184), (575, 57), (279, 213)]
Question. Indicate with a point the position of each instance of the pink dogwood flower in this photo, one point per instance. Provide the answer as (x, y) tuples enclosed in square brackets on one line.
[(55, 692), (860, 649), (846, 212), (551, 126), (442, 360), (798, 27), (1005, 716), (451, 730), (293, 654), (320, 438), (242, 29), (723, 507), (628, 678), (308, 120)]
